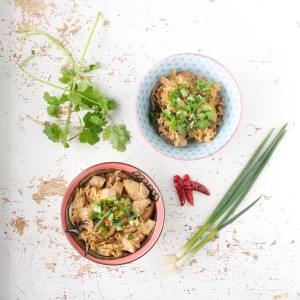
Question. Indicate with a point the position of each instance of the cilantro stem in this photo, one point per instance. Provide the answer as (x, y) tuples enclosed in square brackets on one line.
[(85, 49), (73, 137), (36, 78), (110, 119), (49, 83), (34, 31), (66, 130), (74, 77)]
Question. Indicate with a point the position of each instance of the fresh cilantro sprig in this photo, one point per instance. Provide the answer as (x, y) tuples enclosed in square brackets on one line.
[(79, 96), (114, 211), (188, 107)]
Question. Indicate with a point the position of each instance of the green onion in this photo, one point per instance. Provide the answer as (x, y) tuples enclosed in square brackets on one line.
[(130, 236), (105, 216), (231, 200), (125, 221)]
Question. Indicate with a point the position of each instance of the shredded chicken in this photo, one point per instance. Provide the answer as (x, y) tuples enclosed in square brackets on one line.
[(136, 190), (107, 193), (139, 206), (97, 181), (147, 227), (131, 237), (118, 187), (161, 92)]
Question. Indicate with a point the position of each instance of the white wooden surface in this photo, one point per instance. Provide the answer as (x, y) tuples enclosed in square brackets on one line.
[(255, 258)]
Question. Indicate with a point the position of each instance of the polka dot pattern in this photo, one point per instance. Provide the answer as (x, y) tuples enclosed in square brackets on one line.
[(201, 66)]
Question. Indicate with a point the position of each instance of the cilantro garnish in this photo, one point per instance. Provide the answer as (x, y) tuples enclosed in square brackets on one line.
[(79, 94), (118, 135), (188, 108), (114, 211)]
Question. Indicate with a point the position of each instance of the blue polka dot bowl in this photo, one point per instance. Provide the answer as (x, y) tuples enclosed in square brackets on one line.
[(202, 66)]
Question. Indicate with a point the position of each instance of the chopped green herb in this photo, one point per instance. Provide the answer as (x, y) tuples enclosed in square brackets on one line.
[(114, 211), (78, 94), (130, 236), (53, 111), (189, 109), (53, 131), (104, 231), (153, 119), (92, 67)]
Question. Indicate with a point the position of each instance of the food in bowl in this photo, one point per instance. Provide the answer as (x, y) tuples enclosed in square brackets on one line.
[(186, 107), (114, 213)]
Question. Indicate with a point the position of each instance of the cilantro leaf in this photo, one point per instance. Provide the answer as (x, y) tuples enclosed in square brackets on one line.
[(96, 207), (88, 136), (79, 95), (51, 99), (92, 67), (93, 215), (153, 119), (94, 121), (53, 111), (118, 136), (67, 75), (83, 85), (93, 125), (78, 101), (53, 131), (209, 111), (107, 132), (111, 104), (184, 92), (94, 96)]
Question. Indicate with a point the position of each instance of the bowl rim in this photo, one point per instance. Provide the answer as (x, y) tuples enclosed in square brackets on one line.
[(191, 54), (159, 222)]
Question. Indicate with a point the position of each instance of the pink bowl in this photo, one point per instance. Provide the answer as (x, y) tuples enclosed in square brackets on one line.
[(84, 177)]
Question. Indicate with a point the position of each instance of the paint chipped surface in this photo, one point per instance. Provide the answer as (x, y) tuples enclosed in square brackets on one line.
[(34, 249), (40, 224), (281, 296), (192, 262), (35, 8), (19, 224), (51, 266), (267, 197), (106, 23), (53, 187)]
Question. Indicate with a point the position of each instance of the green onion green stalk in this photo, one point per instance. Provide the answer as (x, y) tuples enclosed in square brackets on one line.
[(222, 214)]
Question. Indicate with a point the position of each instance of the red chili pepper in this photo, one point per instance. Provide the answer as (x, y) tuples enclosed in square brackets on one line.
[(188, 193), (179, 188), (105, 221), (195, 186), (123, 218)]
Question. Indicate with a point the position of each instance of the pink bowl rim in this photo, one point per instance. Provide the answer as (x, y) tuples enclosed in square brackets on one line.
[(160, 214), (194, 54)]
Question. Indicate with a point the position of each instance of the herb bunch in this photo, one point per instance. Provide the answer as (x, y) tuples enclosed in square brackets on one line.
[(188, 107), (80, 96), (114, 211), (224, 214)]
